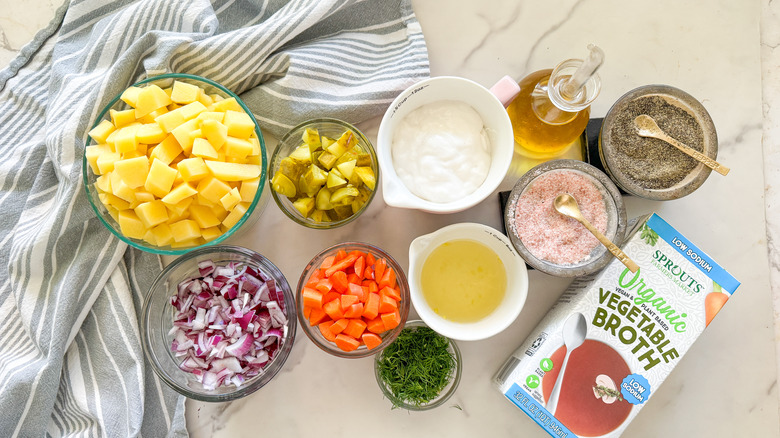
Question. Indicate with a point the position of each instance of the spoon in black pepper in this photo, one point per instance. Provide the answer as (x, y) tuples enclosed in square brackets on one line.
[(646, 127), (566, 205)]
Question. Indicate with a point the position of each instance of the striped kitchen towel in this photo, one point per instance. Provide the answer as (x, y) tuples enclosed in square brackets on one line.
[(70, 355)]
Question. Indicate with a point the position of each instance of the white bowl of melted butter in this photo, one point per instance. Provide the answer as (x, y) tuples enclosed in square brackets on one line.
[(444, 145), (466, 281)]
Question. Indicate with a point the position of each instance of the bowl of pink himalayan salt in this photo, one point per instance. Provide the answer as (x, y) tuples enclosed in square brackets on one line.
[(556, 244)]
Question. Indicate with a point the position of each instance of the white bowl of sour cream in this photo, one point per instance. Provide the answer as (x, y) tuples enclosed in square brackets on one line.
[(444, 145)]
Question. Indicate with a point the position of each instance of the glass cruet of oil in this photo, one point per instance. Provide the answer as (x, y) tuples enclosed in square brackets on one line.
[(553, 106)]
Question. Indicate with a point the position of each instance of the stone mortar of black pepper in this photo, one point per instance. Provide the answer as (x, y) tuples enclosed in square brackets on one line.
[(649, 162)]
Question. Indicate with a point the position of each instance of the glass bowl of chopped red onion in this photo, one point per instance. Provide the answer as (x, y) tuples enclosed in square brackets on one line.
[(218, 323), (366, 313), (556, 244)]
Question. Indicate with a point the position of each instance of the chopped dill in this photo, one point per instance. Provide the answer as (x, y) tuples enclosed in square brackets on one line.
[(417, 366)]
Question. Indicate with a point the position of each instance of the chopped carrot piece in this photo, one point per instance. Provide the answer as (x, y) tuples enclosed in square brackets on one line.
[(359, 265), (330, 296), (340, 282), (391, 320), (372, 340), (333, 309), (371, 309), (354, 311), (314, 278), (375, 325), (317, 316), (327, 262), (346, 343), (348, 300), (387, 304), (355, 328), (379, 269), (365, 293), (341, 264), (325, 330), (312, 298), (339, 325), (340, 254), (306, 312), (368, 273), (355, 290), (391, 292), (370, 259), (388, 279), (324, 285)]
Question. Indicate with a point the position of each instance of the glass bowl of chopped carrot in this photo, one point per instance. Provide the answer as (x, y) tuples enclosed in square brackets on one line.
[(352, 299), (420, 370)]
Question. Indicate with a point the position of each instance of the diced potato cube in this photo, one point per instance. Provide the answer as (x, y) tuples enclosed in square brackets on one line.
[(233, 171), (119, 188), (149, 99), (180, 210), (253, 159), (170, 120), (204, 216), (237, 147), (239, 124), (142, 196), (130, 225), (248, 189), (150, 133), (122, 118), (167, 150), (114, 201), (204, 98), (211, 233), (211, 115), (212, 189), (230, 199), (162, 234), (256, 147), (224, 105), (130, 96), (235, 215), (202, 148), (152, 213), (192, 110), (192, 169), (149, 238), (185, 134), (133, 171), (184, 93), (179, 193), (185, 229), (214, 131), (160, 178), (93, 152), (101, 132), (125, 139), (105, 162), (103, 184)]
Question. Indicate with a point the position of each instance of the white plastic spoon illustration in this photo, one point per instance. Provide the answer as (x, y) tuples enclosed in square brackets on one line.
[(574, 330)]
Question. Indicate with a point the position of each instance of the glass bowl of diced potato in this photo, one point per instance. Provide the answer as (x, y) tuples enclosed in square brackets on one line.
[(323, 173), (175, 162)]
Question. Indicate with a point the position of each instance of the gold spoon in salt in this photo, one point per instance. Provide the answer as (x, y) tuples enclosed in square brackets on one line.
[(567, 206), (646, 127)]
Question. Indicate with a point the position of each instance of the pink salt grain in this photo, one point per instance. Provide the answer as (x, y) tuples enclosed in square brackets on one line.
[(551, 236)]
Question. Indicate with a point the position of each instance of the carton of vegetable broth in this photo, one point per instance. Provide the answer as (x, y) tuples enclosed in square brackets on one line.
[(625, 333)]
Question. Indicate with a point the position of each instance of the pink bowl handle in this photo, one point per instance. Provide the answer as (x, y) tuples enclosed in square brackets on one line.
[(505, 90)]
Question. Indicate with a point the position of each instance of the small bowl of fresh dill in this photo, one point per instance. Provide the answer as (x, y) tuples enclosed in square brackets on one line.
[(420, 370)]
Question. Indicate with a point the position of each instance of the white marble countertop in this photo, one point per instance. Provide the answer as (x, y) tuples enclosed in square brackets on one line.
[(727, 383)]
